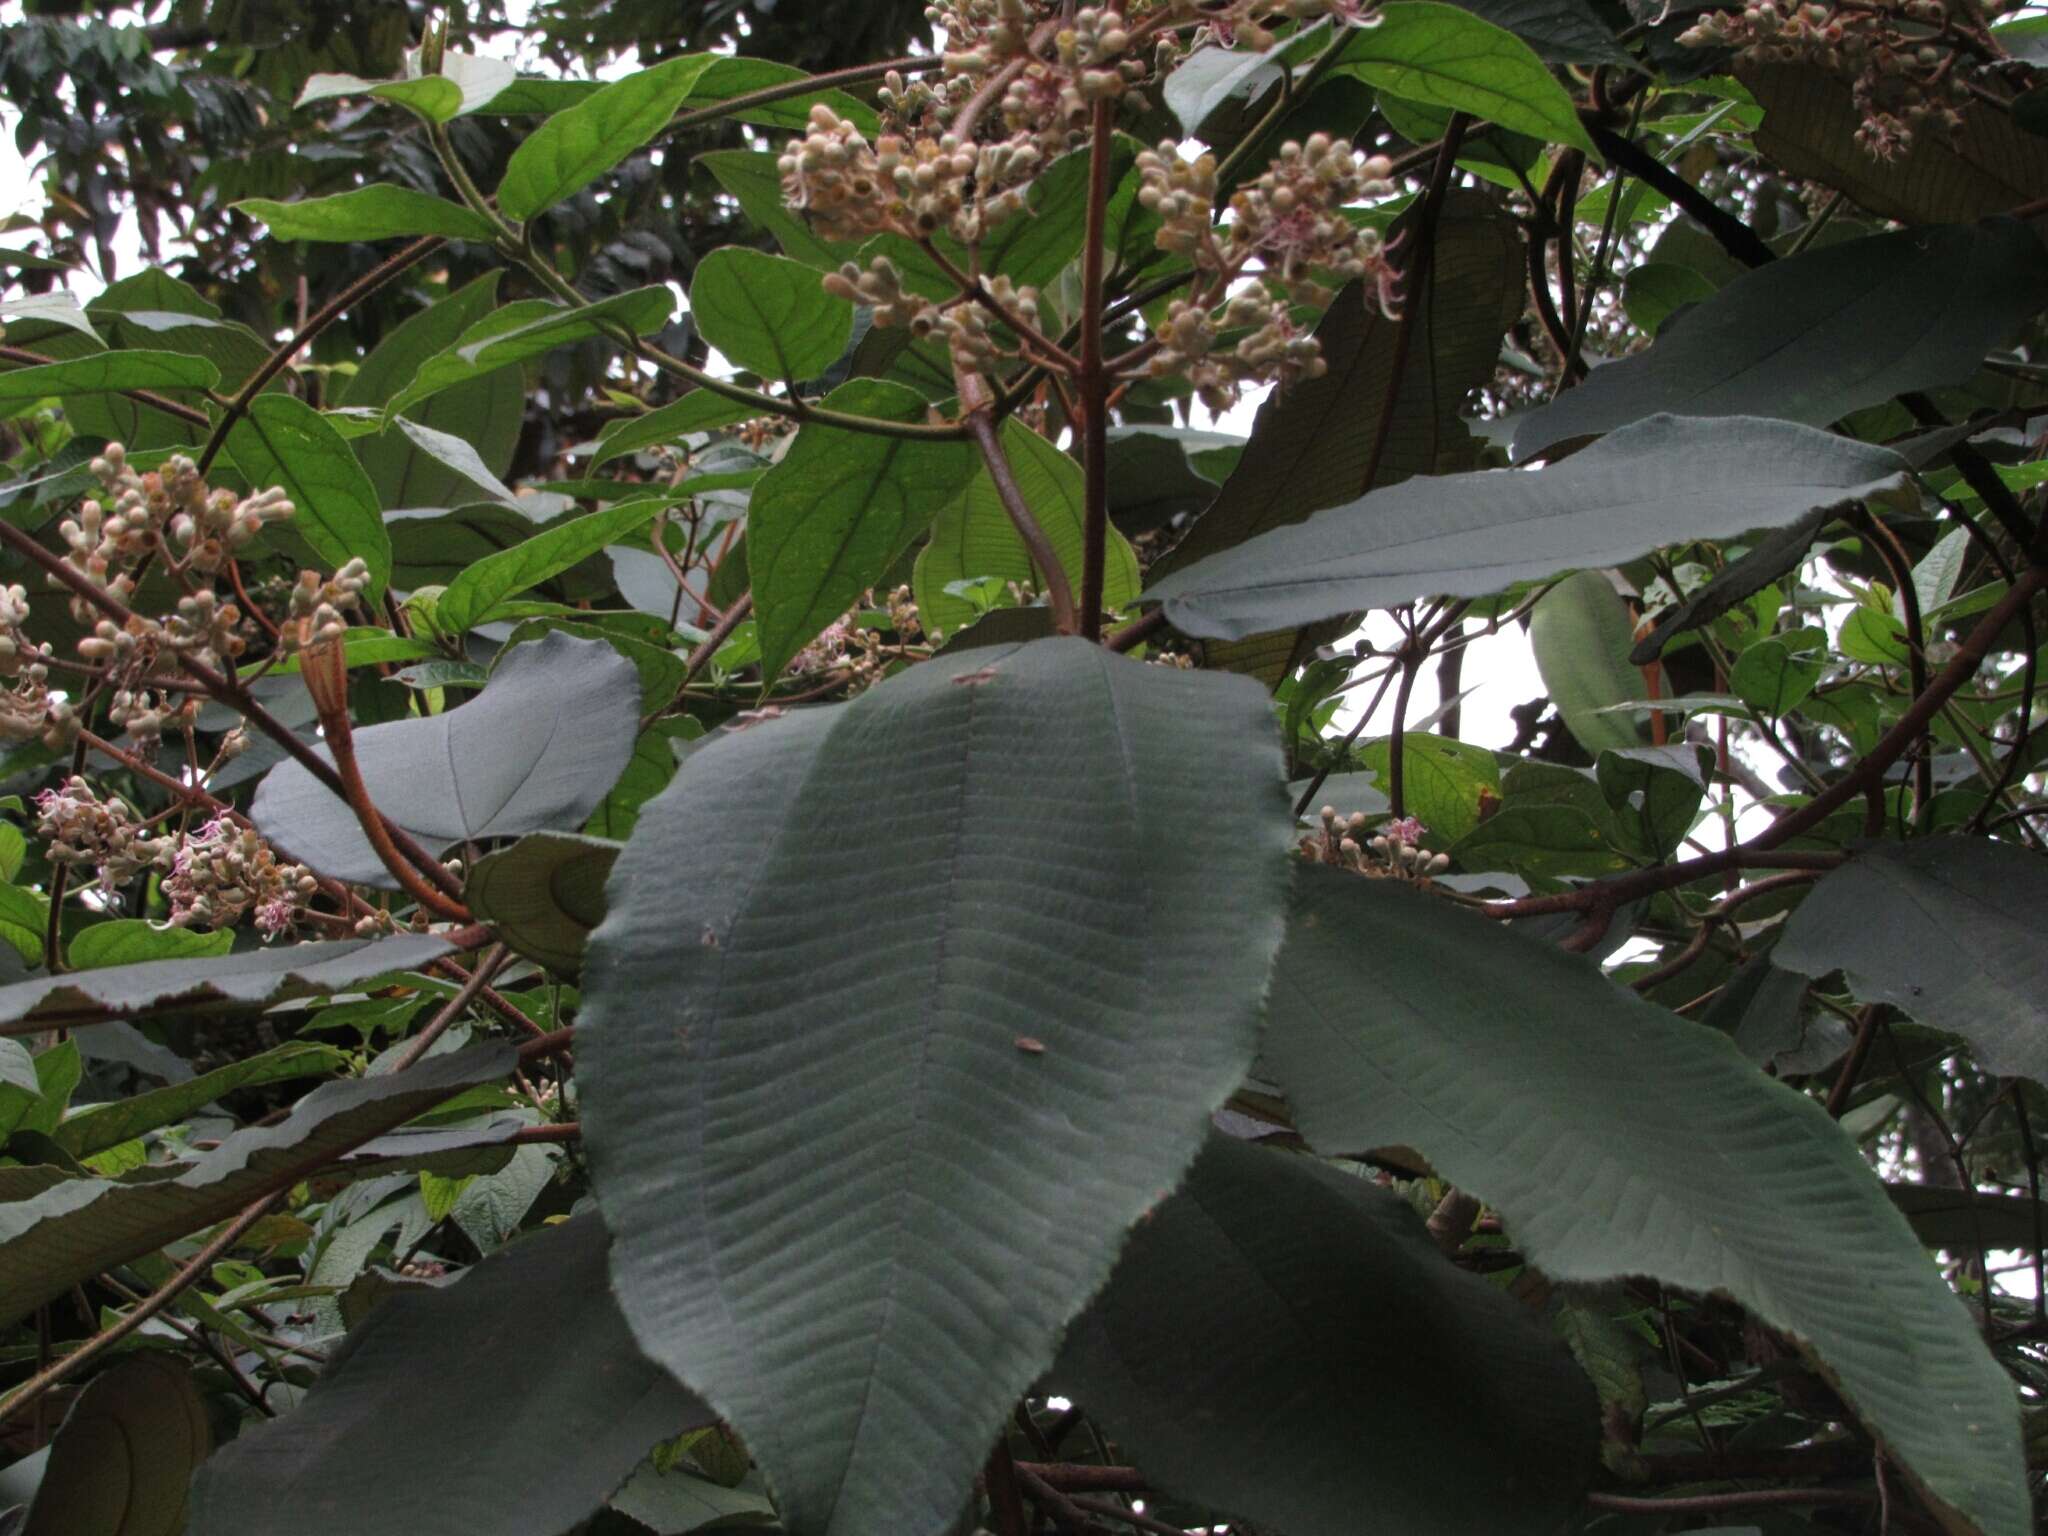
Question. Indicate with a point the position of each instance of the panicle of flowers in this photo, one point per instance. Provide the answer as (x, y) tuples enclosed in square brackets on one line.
[(85, 833), (314, 611), (1395, 851), (1904, 72), (27, 709), (846, 646), (1287, 231), (224, 872)]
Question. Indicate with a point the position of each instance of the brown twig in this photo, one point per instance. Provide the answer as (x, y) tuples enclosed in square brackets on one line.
[(486, 967), (1059, 591), (1093, 380)]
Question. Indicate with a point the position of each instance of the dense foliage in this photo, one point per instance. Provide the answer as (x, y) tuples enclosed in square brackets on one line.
[(817, 912)]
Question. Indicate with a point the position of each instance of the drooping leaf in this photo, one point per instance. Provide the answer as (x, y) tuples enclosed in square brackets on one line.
[(475, 595), (1816, 336), (284, 441), (769, 314), (544, 894), (54, 308), (536, 749), (455, 455), (974, 537), (1657, 482), (100, 1126), (513, 1398), (465, 83), (76, 1227), (1231, 1357), (880, 1090), (124, 1455), (1397, 1020), (1580, 634), (698, 411), (1945, 928), (253, 978), (1446, 56), (380, 212), (105, 372), (576, 146), (826, 523)]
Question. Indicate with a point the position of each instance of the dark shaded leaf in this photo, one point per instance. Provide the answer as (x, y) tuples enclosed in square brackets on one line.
[(96, 1127), (544, 894), (512, 1399), (1776, 554), (1617, 1140), (881, 1087), (124, 1455), (536, 749), (1231, 1356)]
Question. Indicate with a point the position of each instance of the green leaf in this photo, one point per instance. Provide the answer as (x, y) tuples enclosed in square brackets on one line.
[(973, 536), (1654, 291), (740, 75), (284, 441), (576, 146), (1543, 841), (532, 328), (544, 894), (1657, 790), (827, 522), (537, 748), (1448, 57), (253, 979), (455, 455), (1657, 482), (766, 1023), (1775, 555), (1869, 634), (769, 314), (1945, 928), (380, 212), (466, 83), (133, 940), (72, 1229), (676, 1502), (475, 595), (1443, 781), (106, 373), (1776, 674), (1228, 1357), (513, 1397), (24, 917), (1580, 634), (1562, 31), (1615, 1140), (97, 1127), (1813, 337), (756, 185), (698, 411), (20, 1088), (53, 308), (1312, 444), (124, 1454)]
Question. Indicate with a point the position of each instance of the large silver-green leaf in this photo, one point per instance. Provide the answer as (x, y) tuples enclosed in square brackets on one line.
[(73, 1228), (1947, 928), (512, 1401), (875, 979), (537, 748), (1816, 336), (252, 979), (1284, 1342), (124, 1456), (1658, 482), (1615, 1139)]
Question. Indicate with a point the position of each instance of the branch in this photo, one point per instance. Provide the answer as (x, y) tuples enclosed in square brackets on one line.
[(1059, 590), (1093, 381)]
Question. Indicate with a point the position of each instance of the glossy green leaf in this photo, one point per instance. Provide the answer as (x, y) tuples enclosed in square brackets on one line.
[(698, 411), (133, 940), (974, 537), (576, 146), (475, 595), (1945, 928), (380, 212), (544, 894), (106, 372), (252, 979), (828, 521), (1449, 57), (536, 749), (284, 441), (465, 83), (769, 314), (1580, 634), (455, 455), (532, 328), (879, 1088), (1229, 1356), (100, 1126), (1776, 674), (1816, 336), (1444, 781), (1657, 482), (1617, 1140), (76, 1227), (123, 1455), (516, 1390)]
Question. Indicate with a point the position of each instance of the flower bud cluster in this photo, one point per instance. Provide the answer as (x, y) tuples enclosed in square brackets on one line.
[(315, 607), (845, 646), (1395, 851), (84, 832), (1904, 74), (27, 709), (223, 872)]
